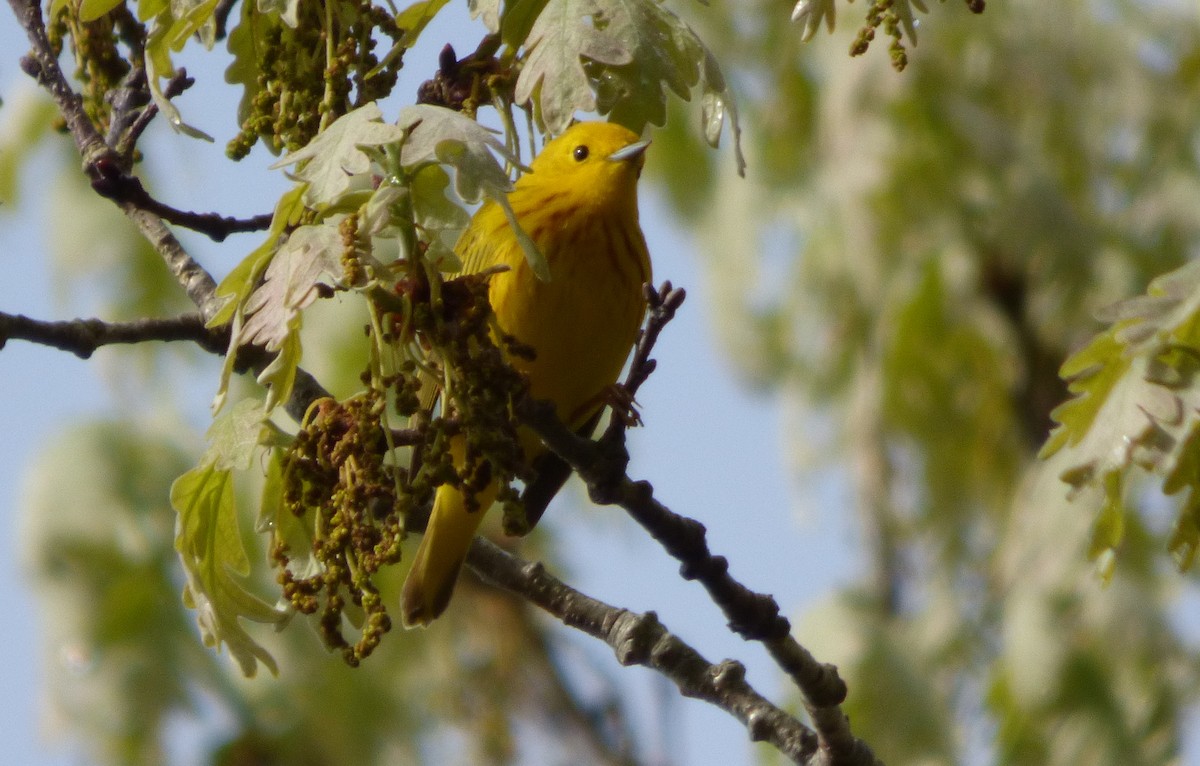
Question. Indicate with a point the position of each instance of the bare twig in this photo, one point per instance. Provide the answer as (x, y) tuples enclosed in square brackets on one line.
[(120, 187), (640, 639), (83, 336)]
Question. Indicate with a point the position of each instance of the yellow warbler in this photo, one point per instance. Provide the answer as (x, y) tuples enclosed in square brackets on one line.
[(579, 204)]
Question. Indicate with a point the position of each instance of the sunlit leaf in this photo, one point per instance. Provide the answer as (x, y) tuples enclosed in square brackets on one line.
[(310, 257), (554, 69), (209, 544), (332, 161), (416, 17)]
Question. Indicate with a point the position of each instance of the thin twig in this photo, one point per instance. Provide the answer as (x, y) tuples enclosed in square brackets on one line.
[(640, 639), (120, 187)]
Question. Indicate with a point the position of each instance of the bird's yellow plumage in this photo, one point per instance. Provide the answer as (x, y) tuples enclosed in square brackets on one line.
[(579, 205)]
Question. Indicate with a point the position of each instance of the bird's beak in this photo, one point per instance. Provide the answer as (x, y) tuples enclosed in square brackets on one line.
[(633, 151)]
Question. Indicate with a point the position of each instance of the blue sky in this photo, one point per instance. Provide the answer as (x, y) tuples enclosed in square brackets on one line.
[(711, 449)]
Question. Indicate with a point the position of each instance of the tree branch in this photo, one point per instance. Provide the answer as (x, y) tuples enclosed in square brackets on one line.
[(122, 188), (83, 336), (752, 615), (640, 639), (101, 160)]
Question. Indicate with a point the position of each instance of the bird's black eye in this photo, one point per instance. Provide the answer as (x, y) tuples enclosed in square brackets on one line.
[(581, 153)]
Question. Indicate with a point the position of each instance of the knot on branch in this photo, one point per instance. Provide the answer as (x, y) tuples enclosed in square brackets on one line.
[(826, 688), (633, 636), (730, 674)]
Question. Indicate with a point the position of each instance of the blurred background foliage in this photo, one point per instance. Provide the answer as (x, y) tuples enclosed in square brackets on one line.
[(909, 260)]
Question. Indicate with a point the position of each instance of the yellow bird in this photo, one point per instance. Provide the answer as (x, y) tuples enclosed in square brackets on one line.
[(579, 205)]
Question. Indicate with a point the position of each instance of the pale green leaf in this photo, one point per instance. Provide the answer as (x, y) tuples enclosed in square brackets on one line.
[(416, 17), (288, 10), (554, 72), (210, 547), (311, 257), (444, 136), (280, 375), (440, 220), (518, 19), (488, 11), (332, 162), (234, 436), (90, 10), (237, 285), (810, 13)]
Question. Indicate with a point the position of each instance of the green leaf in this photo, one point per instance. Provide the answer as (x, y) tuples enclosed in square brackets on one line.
[(448, 137), (209, 544), (440, 220), (488, 11), (444, 136), (172, 28), (518, 19), (90, 10), (554, 72), (288, 10), (416, 17), (1136, 404), (280, 375), (333, 162), (238, 283), (234, 436), (247, 45), (635, 49), (311, 256)]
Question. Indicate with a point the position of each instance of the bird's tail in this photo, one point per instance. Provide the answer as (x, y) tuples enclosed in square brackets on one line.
[(440, 555)]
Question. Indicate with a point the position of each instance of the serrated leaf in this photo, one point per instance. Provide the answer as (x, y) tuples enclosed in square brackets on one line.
[(247, 45), (280, 375), (441, 135), (235, 435), (1091, 374), (209, 544), (440, 220), (488, 11), (554, 71), (332, 161), (810, 13), (238, 283), (635, 50), (311, 256)]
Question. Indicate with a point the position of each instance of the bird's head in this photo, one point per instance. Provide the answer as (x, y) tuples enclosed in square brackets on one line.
[(598, 159)]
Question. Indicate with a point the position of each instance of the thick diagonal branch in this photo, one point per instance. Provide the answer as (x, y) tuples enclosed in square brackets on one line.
[(640, 639), (752, 615)]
